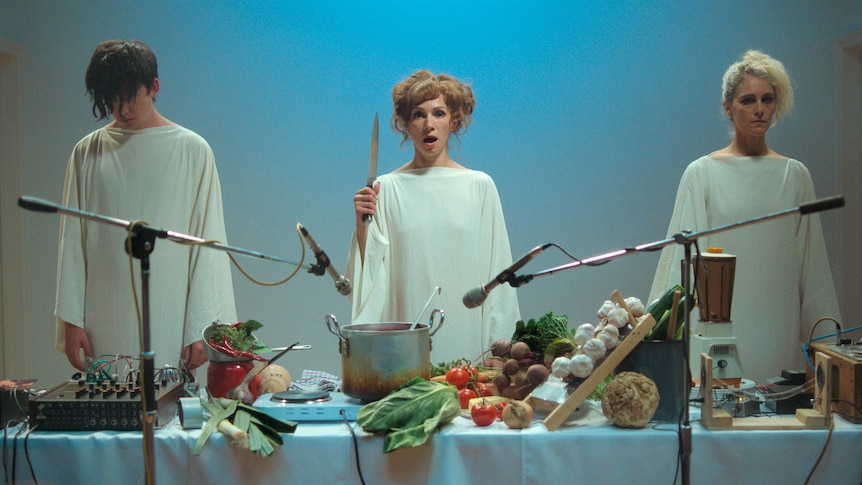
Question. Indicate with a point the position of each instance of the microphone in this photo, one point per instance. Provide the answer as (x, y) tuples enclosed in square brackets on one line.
[(342, 284), (37, 204), (476, 296), (822, 204)]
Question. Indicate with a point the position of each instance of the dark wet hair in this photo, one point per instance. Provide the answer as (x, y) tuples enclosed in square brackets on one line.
[(116, 71)]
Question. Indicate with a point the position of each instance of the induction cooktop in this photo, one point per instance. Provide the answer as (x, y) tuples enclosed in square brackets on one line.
[(309, 405)]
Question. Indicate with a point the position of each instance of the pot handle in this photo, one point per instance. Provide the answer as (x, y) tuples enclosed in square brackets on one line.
[(433, 329), (332, 325)]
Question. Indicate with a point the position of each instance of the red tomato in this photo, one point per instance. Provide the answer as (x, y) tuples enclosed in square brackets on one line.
[(483, 413), (464, 395), (458, 377), (254, 386), (483, 390), (498, 408), (224, 376)]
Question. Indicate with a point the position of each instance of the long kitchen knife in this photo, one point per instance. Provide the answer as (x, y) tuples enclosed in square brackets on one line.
[(372, 165)]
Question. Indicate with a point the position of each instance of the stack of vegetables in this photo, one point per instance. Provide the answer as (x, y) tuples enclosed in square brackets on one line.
[(411, 413), (668, 311), (235, 341), (247, 427), (593, 342)]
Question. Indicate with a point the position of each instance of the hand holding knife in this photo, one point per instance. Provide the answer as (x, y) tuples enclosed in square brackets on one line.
[(372, 165)]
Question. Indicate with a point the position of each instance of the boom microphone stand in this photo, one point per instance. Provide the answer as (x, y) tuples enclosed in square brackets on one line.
[(140, 244), (686, 238)]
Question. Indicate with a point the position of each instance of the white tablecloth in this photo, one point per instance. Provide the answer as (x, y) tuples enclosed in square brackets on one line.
[(588, 450)]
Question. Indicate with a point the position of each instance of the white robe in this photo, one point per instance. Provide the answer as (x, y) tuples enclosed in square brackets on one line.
[(783, 282), (165, 176), (436, 227)]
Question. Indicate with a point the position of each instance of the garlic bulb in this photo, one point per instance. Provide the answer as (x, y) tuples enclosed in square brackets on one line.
[(582, 365), (584, 332), (610, 335), (606, 307), (618, 317), (560, 368), (636, 306), (594, 349)]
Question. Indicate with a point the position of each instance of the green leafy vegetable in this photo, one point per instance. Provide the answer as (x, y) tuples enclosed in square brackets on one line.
[(441, 368), (240, 337), (410, 414), (264, 431), (541, 333)]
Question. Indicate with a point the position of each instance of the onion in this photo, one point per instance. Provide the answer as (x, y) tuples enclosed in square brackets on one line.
[(517, 414)]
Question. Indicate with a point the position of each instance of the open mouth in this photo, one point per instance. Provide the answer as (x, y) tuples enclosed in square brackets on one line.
[(429, 139)]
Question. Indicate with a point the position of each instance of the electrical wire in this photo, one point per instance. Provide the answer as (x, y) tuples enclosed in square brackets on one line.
[(255, 280), (355, 445), (822, 451), (130, 252), (811, 338), (27, 455), (847, 415), (10, 478)]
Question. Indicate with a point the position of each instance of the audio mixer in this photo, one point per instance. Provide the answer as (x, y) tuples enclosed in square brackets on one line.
[(95, 406)]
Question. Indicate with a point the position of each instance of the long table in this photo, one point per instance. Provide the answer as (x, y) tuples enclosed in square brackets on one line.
[(586, 450)]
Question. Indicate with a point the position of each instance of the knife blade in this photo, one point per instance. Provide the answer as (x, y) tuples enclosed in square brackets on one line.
[(372, 164)]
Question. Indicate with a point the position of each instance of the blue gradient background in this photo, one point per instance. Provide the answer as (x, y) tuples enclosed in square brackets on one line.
[(588, 112)]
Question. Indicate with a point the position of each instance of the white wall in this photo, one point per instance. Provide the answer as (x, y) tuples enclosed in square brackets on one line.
[(587, 115)]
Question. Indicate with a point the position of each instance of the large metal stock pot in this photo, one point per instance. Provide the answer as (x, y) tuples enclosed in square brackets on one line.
[(376, 358)]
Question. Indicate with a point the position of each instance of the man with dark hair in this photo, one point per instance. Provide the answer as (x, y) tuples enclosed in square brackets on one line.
[(140, 166)]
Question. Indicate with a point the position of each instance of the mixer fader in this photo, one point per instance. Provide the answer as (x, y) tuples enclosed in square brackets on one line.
[(77, 405)]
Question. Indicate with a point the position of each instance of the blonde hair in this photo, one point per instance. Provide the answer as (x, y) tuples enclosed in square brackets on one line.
[(758, 64), (423, 86)]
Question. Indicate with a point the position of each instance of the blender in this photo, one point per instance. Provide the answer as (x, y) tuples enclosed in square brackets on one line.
[(712, 334)]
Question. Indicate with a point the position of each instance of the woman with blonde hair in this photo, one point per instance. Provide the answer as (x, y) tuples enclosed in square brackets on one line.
[(783, 283)]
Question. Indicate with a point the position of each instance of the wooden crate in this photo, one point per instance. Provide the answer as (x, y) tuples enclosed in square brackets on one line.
[(560, 412), (817, 418), (846, 383)]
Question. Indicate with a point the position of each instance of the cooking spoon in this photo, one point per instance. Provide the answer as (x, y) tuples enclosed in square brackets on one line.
[(241, 392), (418, 317)]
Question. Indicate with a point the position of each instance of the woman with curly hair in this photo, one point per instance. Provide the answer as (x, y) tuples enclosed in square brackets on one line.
[(435, 223)]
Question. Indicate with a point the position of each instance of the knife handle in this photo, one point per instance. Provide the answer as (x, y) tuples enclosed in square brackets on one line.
[(366, 218)]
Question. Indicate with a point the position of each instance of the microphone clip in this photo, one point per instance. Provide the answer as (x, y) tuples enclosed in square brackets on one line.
[(323, 262), (515, 281)]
